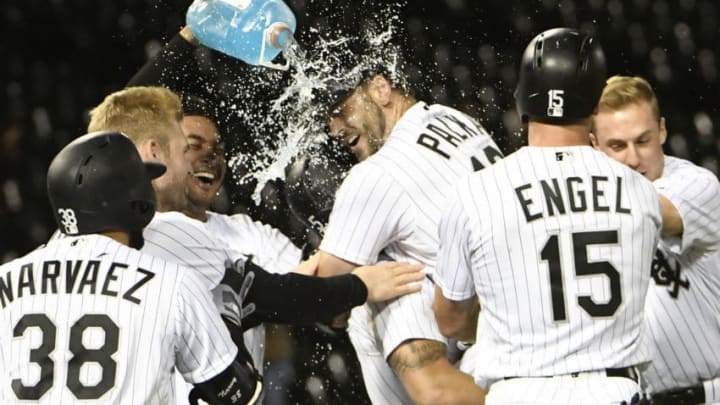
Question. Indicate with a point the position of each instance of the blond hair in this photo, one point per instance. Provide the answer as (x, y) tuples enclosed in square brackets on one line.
[(141, 113), (621, 91)]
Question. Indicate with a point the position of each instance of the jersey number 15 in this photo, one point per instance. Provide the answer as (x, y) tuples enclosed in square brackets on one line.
[(581, 241)]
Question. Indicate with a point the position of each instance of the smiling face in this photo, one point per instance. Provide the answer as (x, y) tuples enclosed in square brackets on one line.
[(206, 154), (359, 122)]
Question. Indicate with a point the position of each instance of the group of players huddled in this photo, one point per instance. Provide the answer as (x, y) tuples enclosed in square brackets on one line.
[(580, 269)]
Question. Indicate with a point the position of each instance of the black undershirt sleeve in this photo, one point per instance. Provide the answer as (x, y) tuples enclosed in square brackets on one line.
[(177, 67), (298, 299)]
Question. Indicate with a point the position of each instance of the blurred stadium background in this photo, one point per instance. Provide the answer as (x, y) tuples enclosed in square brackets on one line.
[(58, 58)]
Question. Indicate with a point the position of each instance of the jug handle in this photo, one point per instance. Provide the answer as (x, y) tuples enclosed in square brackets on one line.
[(278, 66), (269, 63)]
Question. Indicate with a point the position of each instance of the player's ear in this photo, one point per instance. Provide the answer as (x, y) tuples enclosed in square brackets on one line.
[(594, 141), (380, 90), (663, 131), (150, 150)]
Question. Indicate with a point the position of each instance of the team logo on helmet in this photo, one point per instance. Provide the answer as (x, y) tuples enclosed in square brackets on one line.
[(68, 221)]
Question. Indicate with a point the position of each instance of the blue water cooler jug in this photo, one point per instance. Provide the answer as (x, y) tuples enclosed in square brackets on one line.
[(254, 31)]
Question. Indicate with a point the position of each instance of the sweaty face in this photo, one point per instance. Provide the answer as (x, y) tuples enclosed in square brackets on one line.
[(206, 154), (170, 187), (359, 123), (633, 136)]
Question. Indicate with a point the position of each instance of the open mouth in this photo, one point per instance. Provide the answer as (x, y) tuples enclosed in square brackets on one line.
[(205, 177), (353, 140)]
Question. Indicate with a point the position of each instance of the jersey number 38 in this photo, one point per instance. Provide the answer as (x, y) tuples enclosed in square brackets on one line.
[(81, 355)]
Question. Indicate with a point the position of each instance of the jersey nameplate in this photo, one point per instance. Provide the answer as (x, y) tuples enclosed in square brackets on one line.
[(569, 195), (447, 131), (70, 277)]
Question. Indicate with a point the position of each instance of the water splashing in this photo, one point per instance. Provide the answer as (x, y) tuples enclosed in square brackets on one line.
[(318, 70)]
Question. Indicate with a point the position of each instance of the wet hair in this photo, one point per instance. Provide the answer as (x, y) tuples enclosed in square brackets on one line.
[(196, 105)]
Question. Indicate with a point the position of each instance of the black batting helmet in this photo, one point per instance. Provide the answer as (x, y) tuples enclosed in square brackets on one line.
[(312, 179), (562, 75), (99, 183)]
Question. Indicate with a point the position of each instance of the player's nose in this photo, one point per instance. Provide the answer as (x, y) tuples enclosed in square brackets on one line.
[(632, 157)]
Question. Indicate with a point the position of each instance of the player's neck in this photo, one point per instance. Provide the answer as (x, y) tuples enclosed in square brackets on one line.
[(547, 135), (401, 104), (118, 236), (195, 209), (195, 213), (183, 205)]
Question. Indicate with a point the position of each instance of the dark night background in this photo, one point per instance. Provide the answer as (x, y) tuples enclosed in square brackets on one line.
[(59, 58)]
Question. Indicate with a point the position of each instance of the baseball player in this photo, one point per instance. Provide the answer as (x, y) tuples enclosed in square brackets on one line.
[(267, 246), (388, 207), (555, 243), (683, 300), (90, 318)]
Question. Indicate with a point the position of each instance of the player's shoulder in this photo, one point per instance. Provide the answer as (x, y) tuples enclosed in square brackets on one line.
[(176, 225), (513, 164), (367, 172), (420, 115), (19, 261), (242, 220), (238, 224), (436, 110), (440, 110), (169, 217), (216, 220), (685, 170)]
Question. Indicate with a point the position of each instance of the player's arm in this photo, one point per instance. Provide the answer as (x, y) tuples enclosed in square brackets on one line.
[(238, 384), (299, 299), (174, 66), (456, 319), (456, 306), (272, 249), (367, 215), (430, 378), (690, 209), (671, 219), (330, 265), (204, 344)]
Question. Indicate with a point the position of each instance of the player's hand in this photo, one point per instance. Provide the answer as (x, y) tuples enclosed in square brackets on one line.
[(308, 267), (234, 288), (389, 280)]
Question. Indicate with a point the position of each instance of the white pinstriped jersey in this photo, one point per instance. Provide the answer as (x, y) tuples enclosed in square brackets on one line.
[(88, 319), (269, 248), (178, 238), (389, 205), (557, 243), (683, 304)]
